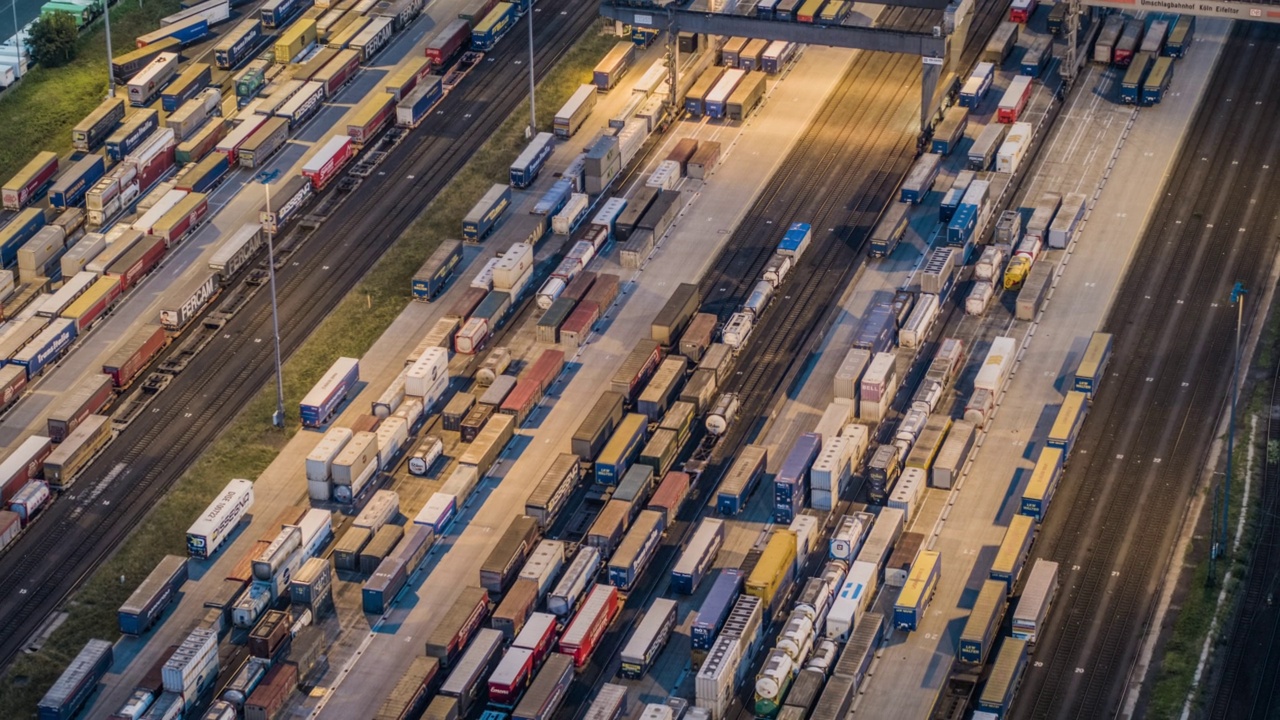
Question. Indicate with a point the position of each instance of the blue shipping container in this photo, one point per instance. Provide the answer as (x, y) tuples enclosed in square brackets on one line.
[(277, 13), (623, 576), (554, 199), (315, 412), (216, 171), (715, 608), (172, 97), (526, 167), (424, 101), (481, 220), (960, 229), (20, 229), (796, 239), (136, 620), (791, 484), (610, 470), (53, 341), (70, 188), (878, 331), (185, 32), (485, 37), (242, 49), (149, 121)]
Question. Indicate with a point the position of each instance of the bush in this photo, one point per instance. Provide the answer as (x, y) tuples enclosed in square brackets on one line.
[(54, 39)]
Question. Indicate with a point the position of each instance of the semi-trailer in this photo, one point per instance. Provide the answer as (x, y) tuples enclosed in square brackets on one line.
[(321, 403)]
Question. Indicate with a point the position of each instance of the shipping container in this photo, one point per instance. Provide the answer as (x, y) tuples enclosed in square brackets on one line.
[(621, 449), (774, 574), (1067, 424), (84, 399), (146, 85), (1006, 675), (563, 600), (588, 626), (636, 550), (547, 691), (574, 112), (412, 691), (503, 564), (1037, 597), (77, 682), (1014, 549), (983, 624), (740, 480), (462, 620), (89, 133), (649, 638), (79, 447), (323, 400), (908, 610)]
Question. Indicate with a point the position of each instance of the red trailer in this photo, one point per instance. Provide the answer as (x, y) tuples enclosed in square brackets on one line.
[(466, 304), (445, 45), (1015, 100), (374, 115), (670, 494), (529, 391), (23, 464), (135, 264), (24, 186), (13, 378), (345, 64), (325, 165), (132, 357), (511, 677), (538, 635), (1020, 11), (587, 627)]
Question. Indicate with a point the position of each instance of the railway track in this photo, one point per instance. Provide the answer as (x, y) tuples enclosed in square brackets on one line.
[(1246, 685), (851, 158), (116, 493), (1138, 458)]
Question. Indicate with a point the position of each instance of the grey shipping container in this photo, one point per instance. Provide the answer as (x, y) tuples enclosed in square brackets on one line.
[(504, 561), (637, 248), (953, 455), (675, 315), (1034, 290), (590, 437), (548, 328), (547, 692), (346, 554), (379, 547), (456, 409)]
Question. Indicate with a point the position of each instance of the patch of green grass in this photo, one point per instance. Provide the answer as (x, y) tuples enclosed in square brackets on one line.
[(1182, 651), (39, 113), (250, 443)]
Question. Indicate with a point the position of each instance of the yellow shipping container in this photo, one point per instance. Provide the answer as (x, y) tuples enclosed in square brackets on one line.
[(294, 40), (402, 79), (106, 286), (774, 570), (340, 38)]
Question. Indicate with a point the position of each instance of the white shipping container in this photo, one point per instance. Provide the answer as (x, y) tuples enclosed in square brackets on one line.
[(859, 437), (461, 482), (830, 473), (838, 414), (159, 210), (567, 219), (183, 670), (512, 266), (1010, 155), (381, 509), (320, 459), (357, 461), (428, 377), (393, 434), (849, 374), (714, 683), (908, 494), (544, 565), (484, 278), (439, 510), (666, 176), (852, 600), (997, 365), (208, 532), (806, 529)]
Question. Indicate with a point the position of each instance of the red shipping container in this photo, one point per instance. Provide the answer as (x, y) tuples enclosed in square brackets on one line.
[(153, 681), (181, 227), (576, 327), (448, 42), (511, 677), (344, 74), (129, 360), (17, 198), (100, 389), (36, 449), (466, 304), (156, 167), (362, 134), (139, 261), (604, 291), (12, 389), (579, 286), (670, 494), (104, 303), (272, 693), (538, 635), (365, 423), (587, 627), (326, 165)]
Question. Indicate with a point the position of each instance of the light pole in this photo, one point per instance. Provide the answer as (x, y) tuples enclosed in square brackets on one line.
[(278, 418), (533, 111), (17, 35), (111, 73), (1237, 298)]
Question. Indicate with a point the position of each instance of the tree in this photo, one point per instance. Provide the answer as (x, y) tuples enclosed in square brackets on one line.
[(53, 39)]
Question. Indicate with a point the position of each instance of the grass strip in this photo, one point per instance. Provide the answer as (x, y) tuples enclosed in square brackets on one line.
[(250, 443), (40, 111), (1181, 654)]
